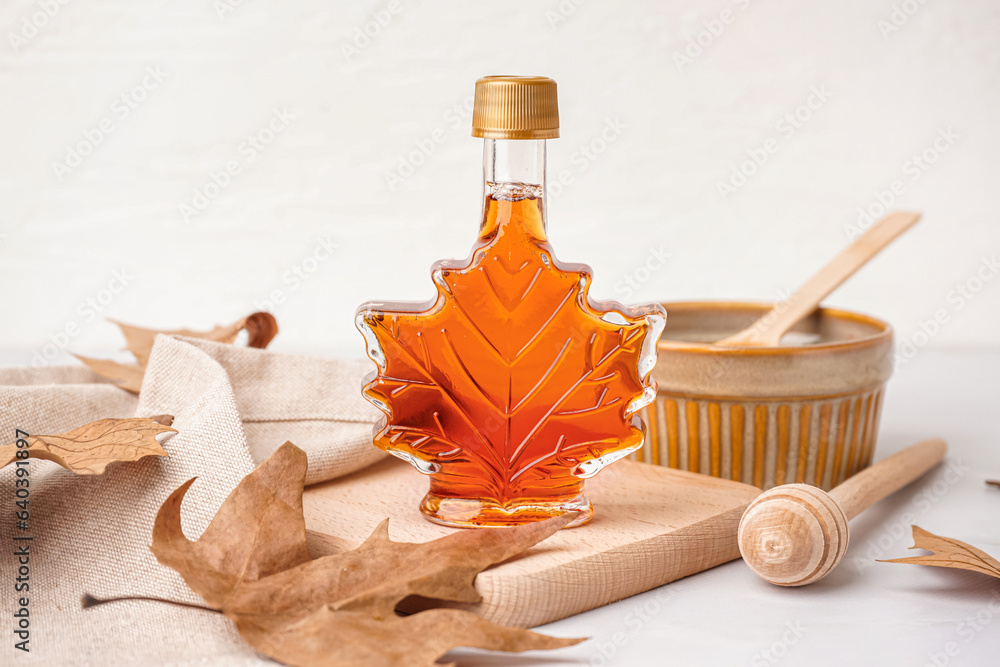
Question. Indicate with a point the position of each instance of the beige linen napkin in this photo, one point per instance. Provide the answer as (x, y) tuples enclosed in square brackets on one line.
[(232, 406)]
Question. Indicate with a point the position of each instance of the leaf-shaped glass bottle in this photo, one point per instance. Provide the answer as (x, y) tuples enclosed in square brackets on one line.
[(513, 385)]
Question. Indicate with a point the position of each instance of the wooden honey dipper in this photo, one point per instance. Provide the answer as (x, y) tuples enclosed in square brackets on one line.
[(795, 534)]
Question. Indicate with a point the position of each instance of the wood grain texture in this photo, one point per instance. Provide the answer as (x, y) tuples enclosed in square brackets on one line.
[(652, 525), (795, 534), (888, 476)]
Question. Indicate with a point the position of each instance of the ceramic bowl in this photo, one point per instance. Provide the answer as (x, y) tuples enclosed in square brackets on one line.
[(806, 411)]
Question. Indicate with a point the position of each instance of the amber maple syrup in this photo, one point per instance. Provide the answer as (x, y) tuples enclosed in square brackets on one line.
[(512, 386)]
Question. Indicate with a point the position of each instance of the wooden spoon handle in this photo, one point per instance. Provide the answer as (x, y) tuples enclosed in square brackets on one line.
[(888, 476), (769, 329)]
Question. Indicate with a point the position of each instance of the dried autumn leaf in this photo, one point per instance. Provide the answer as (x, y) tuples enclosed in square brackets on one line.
[(126, 376), (328, 637), (261, 328), (951, 553), (88, 449), (251, 563)]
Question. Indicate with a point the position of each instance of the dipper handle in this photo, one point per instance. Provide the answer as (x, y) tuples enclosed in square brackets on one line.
[(888, 476), (796, 534)]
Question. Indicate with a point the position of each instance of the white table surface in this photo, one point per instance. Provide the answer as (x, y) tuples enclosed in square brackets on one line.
[(864, 612)]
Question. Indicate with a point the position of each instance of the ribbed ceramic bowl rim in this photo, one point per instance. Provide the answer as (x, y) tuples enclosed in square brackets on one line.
[(878, 338)]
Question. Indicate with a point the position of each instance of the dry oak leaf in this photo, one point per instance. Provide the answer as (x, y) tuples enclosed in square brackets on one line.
[(951, 553), (261, 328), (251, 564), (88, 449), (126, 376)]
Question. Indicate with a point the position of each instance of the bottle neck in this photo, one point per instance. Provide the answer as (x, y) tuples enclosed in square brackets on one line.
[(514, 186)]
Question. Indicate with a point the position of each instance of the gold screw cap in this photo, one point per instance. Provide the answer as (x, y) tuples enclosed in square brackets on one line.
[(515, 107)]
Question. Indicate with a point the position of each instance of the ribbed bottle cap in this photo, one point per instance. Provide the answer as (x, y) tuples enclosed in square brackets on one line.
[(515, 107)]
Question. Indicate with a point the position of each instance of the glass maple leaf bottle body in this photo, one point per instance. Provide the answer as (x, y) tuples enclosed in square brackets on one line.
[(512, 386)]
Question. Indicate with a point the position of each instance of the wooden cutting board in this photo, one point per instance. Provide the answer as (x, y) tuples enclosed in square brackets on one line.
[(652, 525)]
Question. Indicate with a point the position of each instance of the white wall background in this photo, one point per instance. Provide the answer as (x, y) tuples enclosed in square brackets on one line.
[(228, 64)]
